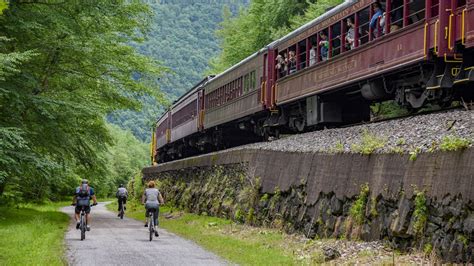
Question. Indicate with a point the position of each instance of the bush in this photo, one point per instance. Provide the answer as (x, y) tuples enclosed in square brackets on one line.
[(357, 210)]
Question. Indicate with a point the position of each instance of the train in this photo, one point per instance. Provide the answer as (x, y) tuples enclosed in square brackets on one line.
[(418, 52)]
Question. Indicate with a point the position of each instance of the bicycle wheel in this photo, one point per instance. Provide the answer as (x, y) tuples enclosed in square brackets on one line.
[(150, 226), (83, 227), (121, 213)]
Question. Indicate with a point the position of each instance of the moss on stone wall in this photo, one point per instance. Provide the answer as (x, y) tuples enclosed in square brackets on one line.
[(446, 225)]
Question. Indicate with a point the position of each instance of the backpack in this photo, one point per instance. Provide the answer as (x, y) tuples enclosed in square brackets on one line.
[(84, 191), (122, 192)]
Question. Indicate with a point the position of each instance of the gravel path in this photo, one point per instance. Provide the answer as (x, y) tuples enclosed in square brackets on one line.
[(112, 241), (422, 132)]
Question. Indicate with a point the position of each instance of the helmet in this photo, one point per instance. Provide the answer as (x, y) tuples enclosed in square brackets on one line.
[(121, 185), (85, 181)]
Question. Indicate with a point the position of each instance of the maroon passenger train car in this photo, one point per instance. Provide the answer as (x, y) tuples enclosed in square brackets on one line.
[(418, 52)]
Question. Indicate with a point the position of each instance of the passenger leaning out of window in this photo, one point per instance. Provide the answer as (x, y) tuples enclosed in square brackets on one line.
[(378, 12), (292, 62), (280, 65), (324, 44)]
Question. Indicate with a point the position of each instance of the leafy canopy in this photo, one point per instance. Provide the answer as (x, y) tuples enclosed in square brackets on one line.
[(63, 66)]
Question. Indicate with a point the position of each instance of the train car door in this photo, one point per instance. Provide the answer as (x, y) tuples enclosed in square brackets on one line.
[(201, 109), (270, 75)]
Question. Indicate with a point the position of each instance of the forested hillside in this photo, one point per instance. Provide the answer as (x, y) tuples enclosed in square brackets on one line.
[(182, 37)]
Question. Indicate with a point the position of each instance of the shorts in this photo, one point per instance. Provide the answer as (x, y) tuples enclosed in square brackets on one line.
[(87, 209)]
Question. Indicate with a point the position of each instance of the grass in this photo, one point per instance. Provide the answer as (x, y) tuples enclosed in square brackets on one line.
[(247, 245), (369, 143), (33, 234)]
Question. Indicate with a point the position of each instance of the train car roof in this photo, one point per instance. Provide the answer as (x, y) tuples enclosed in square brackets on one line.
[(189, 92), (192, 90), (305, 27)]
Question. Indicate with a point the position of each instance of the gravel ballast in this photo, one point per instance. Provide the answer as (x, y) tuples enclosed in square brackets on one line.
[(421, 133)]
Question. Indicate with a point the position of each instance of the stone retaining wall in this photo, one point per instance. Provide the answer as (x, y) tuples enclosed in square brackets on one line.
[(426, 204)]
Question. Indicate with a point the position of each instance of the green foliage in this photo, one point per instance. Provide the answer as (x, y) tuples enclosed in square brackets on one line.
[(420, 214), (427, 249), (387, 109), (253, 28), (3, 6), (63, 67), (369, 143), (338, 147), (414, 154), (357, 210), (454, 143), (373, 207), (464, 240)]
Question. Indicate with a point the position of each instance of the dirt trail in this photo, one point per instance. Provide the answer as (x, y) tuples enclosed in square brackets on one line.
[(112, 241)]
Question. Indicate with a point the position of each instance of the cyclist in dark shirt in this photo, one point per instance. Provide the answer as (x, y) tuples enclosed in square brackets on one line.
[(81, 199)]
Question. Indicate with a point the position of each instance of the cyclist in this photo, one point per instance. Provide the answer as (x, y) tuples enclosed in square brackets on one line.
[(81, 199), (152, 199), (121, 195)]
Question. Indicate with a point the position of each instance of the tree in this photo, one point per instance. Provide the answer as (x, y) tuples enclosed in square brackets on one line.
[(65, 66), (260, 24)]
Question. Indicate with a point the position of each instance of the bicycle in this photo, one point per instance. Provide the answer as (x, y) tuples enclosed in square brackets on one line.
[(122, 212), (151, 224), (83, 222)]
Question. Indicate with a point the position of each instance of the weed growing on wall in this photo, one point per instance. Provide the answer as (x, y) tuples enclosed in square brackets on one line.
[(454, 143), (420, 214), (369, 143), (357, 210)]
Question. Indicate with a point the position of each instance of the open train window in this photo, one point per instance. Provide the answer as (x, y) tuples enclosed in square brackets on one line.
[(396, 15), (416, 11), (335, 35), (313, 50), (280, 67), (292, 59), (301, 59), (349, 31), (363, 26)]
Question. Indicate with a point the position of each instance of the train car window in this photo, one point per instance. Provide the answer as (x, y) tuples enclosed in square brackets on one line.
[(461, 3), (292, 59), (301, 60), (396, 15), (335, 39), (227, 87), (363, 26), (221, 95), (240, 87), (416, 11), (246, 84), (313, 50), (252, 80), (350, 33)]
